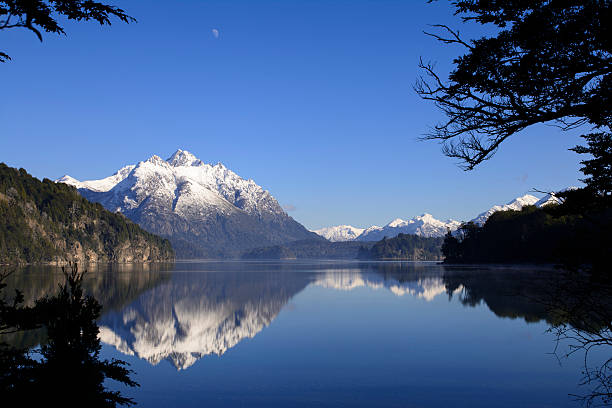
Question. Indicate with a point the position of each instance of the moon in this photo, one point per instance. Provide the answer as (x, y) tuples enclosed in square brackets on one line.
[(215, 33)]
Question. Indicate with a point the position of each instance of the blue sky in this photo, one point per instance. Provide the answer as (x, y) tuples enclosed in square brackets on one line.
[(311, 99)]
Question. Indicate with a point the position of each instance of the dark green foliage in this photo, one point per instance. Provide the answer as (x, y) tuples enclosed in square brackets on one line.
[(42, 221), (42, 15), (309, 249), (406, 247), (69, 371), (553, 234), (598, 169), (548, 61)]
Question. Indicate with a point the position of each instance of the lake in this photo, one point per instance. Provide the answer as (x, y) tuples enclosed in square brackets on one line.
[(329, 334)]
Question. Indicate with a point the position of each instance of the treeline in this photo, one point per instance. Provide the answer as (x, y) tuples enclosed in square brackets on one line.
[(309, 249), (574, 233), (404, 247), (43, 221)]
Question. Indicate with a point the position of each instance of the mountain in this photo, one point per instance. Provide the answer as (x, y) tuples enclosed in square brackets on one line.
[(45, 222), (425, 226), (340, 233), (515, 204), (205, 210)]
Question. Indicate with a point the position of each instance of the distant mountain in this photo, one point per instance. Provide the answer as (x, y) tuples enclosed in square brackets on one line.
[(515, 204), (45, 222), (205, 210), (340, 233), (424, 226)]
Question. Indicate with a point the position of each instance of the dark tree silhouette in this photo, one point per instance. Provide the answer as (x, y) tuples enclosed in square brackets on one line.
[(550, 62), (42, 15), (598, 169), (69, 371)]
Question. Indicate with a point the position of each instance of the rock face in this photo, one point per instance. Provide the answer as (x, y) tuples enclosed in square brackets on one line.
[(44, 222), (205, 210)]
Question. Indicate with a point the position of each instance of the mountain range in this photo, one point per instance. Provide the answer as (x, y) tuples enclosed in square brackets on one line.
[(424, 225), (204, 210), (208, 211)]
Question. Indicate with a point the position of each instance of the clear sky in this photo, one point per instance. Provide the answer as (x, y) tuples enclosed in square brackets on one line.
[(311, 99)]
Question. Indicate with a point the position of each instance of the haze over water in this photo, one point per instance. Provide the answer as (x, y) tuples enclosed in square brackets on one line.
[(389, 334)]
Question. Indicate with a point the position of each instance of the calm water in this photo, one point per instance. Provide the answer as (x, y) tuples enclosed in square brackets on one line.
[(295, 334)]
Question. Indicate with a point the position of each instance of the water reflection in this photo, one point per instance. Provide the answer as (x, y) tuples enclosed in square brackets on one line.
[(182, 313), (197, 314)]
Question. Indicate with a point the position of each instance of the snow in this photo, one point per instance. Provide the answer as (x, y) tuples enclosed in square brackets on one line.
[(517, 204), (425, 225), (340, 233), (183, 181), (102, 185)]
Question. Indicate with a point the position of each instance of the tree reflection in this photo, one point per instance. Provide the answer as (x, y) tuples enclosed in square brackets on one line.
[(67, 369), (577, 307), (581, 309)]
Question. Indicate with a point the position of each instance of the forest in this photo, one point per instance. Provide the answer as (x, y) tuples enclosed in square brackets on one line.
[(43, 221)]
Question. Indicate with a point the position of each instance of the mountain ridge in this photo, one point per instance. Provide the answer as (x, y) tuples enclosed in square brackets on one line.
[(205, 210)]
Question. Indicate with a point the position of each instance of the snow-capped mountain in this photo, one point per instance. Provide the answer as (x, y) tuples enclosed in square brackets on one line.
[(340, 233), (205, 210), (424, 225), (515, 204)]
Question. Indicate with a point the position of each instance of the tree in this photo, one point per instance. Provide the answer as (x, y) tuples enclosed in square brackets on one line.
[(550, 62), (42, 15), (450, 248), (599, 169), (70, 372)]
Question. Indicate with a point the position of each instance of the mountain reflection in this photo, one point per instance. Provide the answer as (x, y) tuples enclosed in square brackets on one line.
[(184, 312), (206, 309), (197, 314)]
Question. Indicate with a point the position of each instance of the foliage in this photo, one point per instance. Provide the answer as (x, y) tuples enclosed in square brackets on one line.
[(309, 249), (41, 221), (565, 233), (549, 61), (67, 370), (404, 246), (42, 15), (598, 169)]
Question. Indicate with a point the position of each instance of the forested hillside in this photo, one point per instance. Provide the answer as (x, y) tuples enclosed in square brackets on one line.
[(404, 247), (574, 233), (41, 221)]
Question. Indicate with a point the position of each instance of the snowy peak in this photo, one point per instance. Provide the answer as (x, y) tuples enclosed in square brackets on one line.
[(183, 158), (102, 185), (425, 225), (206, 207), (340, 233), (517, 204), (398, 222)]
